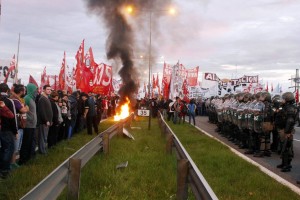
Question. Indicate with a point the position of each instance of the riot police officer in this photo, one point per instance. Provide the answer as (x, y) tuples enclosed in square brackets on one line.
[(285, 121)]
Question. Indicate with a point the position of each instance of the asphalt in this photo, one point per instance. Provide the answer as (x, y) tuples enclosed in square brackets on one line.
[(266, 164)]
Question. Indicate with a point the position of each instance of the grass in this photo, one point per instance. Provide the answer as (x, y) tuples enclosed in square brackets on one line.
[(229, 176), (26, 177), (150, 174)]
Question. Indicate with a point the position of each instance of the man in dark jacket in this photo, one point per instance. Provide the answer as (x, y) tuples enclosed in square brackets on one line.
[(8, 133), (90, 113), (54, 129), (73, 98), (45, 115)]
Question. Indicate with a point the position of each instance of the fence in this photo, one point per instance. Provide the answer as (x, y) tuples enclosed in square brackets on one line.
[(68, 173), (187, 172)]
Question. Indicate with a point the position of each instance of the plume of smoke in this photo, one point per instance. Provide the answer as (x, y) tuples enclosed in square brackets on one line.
[(120, 43)]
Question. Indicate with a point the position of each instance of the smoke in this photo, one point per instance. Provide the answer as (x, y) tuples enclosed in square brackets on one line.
[(121, 40)]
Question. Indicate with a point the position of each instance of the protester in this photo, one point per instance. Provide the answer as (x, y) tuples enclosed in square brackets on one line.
[(177, 110), (73, 100), (31, 122), (21, 109), (192, 111), (45, 116), (54, 128), (9, 132), (90, 113)]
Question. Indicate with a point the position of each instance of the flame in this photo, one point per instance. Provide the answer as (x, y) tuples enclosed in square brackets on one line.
[(124, 111)]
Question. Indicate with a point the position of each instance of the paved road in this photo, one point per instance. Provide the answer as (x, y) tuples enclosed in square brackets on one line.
[(267, 162)]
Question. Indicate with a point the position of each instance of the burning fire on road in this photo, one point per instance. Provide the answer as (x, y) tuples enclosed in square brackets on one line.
[(124, 111)]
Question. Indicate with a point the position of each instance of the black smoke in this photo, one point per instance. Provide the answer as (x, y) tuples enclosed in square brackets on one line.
[(121, 38)]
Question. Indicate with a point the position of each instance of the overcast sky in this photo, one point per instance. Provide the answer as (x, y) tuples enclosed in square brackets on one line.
[(231, 38)]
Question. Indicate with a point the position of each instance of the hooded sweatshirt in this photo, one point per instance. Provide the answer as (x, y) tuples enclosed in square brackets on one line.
[(31, 120)]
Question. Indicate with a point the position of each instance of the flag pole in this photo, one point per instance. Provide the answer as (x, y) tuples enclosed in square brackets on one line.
[(17, 63)]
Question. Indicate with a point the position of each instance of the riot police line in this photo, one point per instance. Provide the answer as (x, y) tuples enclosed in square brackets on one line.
[(258, 123)]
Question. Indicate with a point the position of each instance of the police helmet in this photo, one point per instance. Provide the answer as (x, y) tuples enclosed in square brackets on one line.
[(288, 97), (265, 96)]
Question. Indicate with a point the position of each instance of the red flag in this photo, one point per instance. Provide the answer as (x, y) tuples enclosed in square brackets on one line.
[(153, 82), (103, 80), (79, 65), (271, 87), (89, 60), (297, 96), (12, 67), (31, 80), (157, 84), (44, 79), (185, 91), (62, 74)]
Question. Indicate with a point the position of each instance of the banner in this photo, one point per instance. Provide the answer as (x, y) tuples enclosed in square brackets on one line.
[(102, 82), (5, 72), (192, 76), (220, 87)]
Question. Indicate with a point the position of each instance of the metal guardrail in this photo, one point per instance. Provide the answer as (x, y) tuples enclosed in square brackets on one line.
[(187, 171), (52, 186)]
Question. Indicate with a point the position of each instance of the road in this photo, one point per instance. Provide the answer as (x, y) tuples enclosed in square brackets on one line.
[(268, 162)]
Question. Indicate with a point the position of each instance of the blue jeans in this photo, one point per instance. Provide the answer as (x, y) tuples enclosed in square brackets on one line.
[(7, 140), (192, 115)]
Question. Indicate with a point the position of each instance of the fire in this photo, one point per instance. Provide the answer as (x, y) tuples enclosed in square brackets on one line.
[(124, 111)]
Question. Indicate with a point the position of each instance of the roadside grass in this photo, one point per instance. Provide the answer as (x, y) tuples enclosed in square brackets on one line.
[(26, 177), (150, 174), (229, 176)]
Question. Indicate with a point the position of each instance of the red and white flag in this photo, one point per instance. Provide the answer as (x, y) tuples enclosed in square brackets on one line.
[(11, 70), (62, 74)]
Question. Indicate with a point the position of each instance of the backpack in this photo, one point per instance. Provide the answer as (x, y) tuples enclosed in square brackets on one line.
[(184, 109)]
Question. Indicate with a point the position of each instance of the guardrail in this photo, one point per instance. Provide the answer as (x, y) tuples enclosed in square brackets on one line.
[(68, 173), (187, 172)]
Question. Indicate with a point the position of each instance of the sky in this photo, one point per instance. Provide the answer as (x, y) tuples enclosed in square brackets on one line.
[(231, 38)]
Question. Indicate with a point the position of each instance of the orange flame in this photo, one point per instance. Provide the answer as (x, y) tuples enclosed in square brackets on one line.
[(124, 111)]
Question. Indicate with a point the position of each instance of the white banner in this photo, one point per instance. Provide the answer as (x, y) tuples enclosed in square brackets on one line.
[(4, 66)]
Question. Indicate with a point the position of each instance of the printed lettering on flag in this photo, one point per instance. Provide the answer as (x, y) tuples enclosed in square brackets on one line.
[(102, 79)]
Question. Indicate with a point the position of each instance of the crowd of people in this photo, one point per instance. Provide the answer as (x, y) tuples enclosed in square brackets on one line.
[(33, 121), (259, 123), (176, 110)]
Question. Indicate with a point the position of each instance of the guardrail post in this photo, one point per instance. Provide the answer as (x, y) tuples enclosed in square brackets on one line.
[(106, 144), (74, 178), (169, 143), (182, 175)]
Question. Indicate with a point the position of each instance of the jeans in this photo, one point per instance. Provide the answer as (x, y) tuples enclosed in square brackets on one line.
[(7, 140), (192, 115)]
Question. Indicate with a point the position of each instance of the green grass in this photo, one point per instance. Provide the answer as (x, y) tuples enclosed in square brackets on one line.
[(26, 177), (229, 176), (150, 174)]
